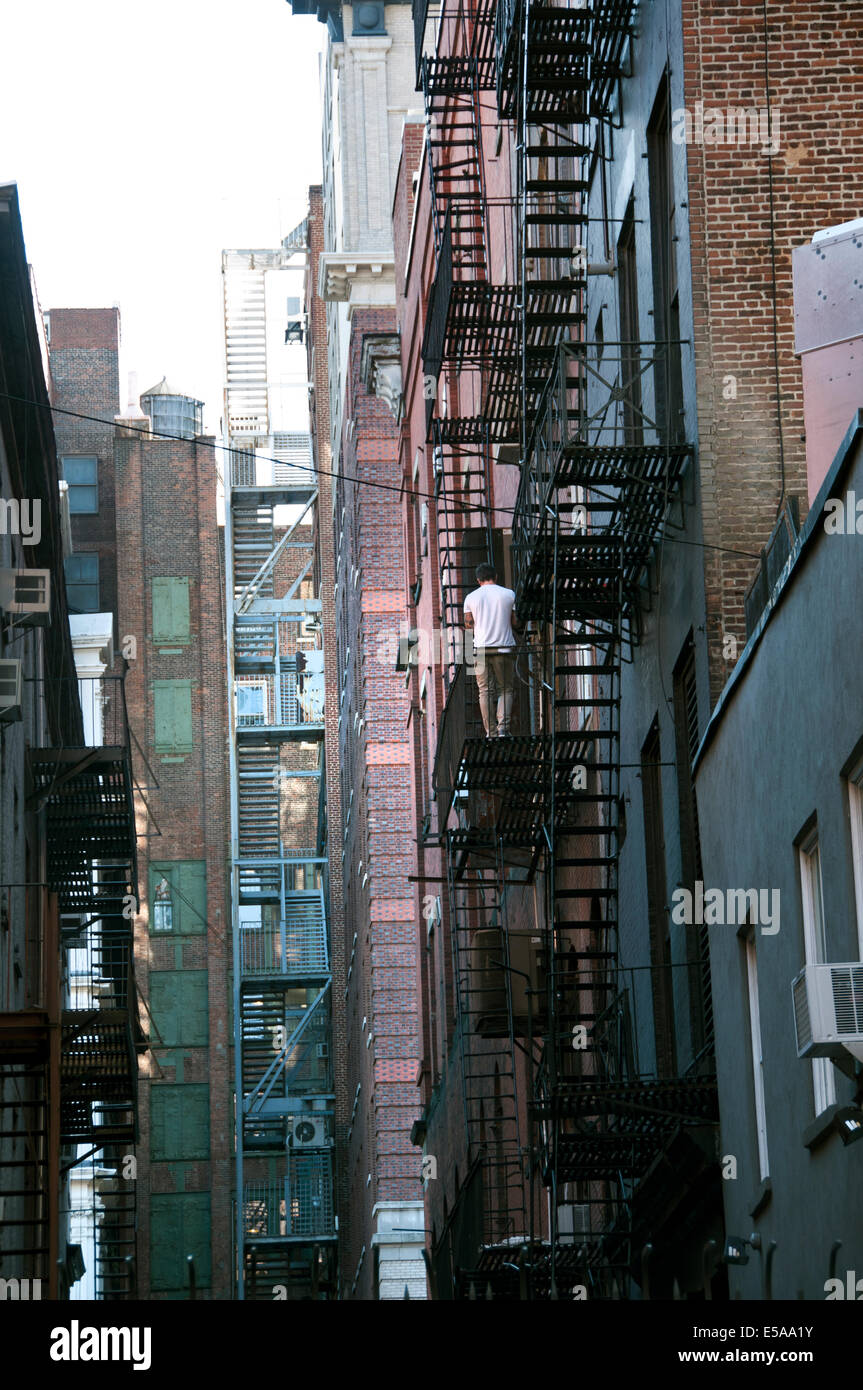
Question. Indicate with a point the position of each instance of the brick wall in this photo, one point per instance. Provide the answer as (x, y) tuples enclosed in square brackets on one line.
[(84, 352), (737, 246), (316, 310), (382, 1034), (166, 526)]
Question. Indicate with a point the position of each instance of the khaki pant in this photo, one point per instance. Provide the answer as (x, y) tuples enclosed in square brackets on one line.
[(501, 666)]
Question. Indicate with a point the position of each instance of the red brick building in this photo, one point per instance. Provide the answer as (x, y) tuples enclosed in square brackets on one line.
[(368, 780), (594, 272)]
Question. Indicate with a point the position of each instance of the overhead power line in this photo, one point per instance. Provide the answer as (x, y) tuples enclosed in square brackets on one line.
[(312, 468)]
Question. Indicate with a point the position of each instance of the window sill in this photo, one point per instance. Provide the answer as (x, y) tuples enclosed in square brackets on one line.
[(821, 1127)]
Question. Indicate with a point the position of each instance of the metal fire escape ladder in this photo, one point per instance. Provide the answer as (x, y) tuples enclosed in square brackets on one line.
[(487, 1047), (285, 1231), (464, 529)]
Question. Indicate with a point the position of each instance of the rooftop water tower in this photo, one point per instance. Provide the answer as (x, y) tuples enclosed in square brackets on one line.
[(179, 417)]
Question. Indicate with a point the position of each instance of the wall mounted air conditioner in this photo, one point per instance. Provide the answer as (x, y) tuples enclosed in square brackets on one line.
[(10, 690), (308, 1132), (573, 1223), (828, 1010), (26, 594), (322, 1051)]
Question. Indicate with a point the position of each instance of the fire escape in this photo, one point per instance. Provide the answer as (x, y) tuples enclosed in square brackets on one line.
[(68, 1057), (561, 1112), (284, 1218)]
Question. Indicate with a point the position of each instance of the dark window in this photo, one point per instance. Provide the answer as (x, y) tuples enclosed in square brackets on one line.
[(630, 355), (657, 911), (82, 583), (82, 475), (686, 745), (666, 305)]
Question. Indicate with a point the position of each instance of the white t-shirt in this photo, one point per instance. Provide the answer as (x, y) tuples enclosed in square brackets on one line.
[(491, 607)]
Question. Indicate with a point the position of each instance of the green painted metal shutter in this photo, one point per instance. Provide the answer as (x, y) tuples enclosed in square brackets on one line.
[(179, 1226), (187, 879), (179, 1121), (171, 622), (178, 1004), (193, 903), (172, 716)]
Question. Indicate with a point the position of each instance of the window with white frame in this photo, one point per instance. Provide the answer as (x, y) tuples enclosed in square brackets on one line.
[(163, 907), (251, 703), (757, 1053), (815, 946), (855, 805)]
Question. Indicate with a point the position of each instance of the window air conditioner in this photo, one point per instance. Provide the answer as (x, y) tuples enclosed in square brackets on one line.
[(828, 1010), (573, 1223), (308, 1132), (10, 690), (26, 593)]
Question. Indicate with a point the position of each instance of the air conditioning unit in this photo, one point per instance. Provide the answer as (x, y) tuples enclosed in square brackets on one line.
[(10, 690), (308, 1132), (26, 594), (828, 1010), (573, 1223), (322, 1051)]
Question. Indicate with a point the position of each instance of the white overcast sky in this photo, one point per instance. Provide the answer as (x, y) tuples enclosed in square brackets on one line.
[(144, 139)]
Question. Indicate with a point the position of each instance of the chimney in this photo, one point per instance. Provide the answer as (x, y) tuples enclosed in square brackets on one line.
[(828, 322)]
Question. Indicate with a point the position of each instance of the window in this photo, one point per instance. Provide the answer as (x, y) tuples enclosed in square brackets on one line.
[(82, 475), (163, 907), (630, 358), (855, 802), (666, 302), (657, 900), (757, 1053), (815, 945), (178, 896), (686, 746), (82, 583), (251, 704)]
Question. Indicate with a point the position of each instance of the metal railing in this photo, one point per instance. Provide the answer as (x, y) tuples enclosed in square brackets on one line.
[(461, 723), (296, 698), (295, 946), (420, 15), (101, 970), (595, 429), (300, 1204)]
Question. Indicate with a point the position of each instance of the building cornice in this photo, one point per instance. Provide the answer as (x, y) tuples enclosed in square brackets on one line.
[(360, 279), (381, 369)]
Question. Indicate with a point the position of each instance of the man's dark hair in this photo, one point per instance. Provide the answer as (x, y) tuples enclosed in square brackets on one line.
[(484, 572)]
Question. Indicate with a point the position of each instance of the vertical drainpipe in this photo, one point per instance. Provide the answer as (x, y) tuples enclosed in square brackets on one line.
[(235, 927)]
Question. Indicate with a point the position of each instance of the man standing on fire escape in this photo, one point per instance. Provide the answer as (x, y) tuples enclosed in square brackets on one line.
[(489, 612)]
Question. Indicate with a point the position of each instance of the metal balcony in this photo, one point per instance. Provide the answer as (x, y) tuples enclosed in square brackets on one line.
[(290, 704), (100, 1030), (294, 947), (594, 432), (86, 794), (295, 1207)]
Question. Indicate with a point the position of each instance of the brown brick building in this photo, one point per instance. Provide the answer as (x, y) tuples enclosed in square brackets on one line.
[(145, 509)]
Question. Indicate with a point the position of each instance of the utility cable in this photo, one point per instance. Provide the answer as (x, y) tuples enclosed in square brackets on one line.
[(316, 470)]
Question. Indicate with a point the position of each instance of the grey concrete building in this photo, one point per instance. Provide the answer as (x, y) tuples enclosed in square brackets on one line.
[(779, 778)]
